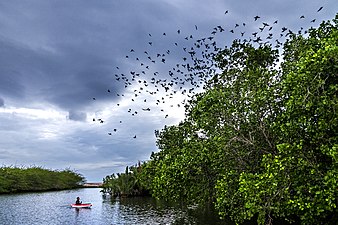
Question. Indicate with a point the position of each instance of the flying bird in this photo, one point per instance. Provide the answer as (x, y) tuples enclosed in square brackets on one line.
[(256, 18), (320, 8)]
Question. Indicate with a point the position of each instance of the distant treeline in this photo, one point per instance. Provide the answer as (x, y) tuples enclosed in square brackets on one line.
[(15, 179)]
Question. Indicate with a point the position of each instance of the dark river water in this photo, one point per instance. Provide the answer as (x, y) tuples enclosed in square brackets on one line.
[(54, 208)]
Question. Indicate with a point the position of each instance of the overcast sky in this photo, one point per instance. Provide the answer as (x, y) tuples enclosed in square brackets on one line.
[(64, 64)]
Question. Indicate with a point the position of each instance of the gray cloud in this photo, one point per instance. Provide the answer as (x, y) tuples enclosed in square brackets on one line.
[(2, 102), (77, 116)]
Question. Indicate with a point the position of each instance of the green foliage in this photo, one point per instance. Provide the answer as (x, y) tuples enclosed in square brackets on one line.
[(184, 168), (300, 178), (14, 179), (261, 141), (226, 128), (125, 184)]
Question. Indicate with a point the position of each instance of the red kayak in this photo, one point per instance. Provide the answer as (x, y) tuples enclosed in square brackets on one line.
[(83, 205)]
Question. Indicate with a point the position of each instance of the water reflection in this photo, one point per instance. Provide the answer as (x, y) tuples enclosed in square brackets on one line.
[(151, 211), (77, 211), (54, 208)]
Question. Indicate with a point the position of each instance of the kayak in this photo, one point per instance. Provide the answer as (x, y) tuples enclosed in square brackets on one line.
[(83, 205)]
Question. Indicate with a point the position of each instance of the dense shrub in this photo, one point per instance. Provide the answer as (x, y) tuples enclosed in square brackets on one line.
[(15, 179)]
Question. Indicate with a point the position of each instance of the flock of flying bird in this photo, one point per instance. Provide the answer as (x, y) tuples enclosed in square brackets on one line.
[(188, 63)]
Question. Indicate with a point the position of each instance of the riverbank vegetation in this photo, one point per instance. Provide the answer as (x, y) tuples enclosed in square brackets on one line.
[(261, 141), (126, 184), (16, 179)]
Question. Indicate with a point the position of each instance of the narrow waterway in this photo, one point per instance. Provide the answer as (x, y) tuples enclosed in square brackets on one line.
[(54, 208)]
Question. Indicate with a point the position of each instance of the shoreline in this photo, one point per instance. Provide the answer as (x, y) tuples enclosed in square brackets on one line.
[(87, 185), (92, 185)]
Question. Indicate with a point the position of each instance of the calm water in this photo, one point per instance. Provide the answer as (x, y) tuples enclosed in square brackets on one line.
[(53, 208)]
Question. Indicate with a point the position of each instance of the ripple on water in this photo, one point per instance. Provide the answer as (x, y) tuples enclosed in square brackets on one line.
[(54, 208)]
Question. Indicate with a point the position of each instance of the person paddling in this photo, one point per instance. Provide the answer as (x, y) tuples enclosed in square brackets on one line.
[(78, 202)]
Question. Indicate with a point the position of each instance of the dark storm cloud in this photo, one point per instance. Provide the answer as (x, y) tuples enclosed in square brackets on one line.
[(65, 54), (67, 82), (12, 79)]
